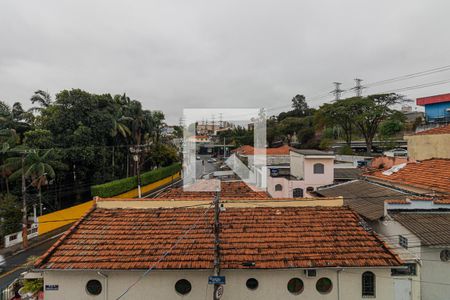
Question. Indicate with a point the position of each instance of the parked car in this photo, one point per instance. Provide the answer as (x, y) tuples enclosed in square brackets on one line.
[(211, 160), (396, 152), (2, 263), (198, 157)]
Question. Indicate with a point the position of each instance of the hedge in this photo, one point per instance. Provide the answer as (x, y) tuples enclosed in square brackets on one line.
[(117, 187)]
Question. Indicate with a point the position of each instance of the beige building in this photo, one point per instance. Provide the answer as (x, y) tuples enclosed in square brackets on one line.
[(284, 251), (429, 144)]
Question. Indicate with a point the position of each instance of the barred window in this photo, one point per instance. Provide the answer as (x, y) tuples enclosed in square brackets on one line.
[(403, 241), (368, 284), (319, 169)]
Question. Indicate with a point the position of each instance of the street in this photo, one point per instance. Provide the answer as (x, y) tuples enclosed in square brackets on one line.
[(15, 263), (206, 168)]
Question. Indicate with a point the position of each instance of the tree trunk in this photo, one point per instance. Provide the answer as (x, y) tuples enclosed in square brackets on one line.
[(369, 145)]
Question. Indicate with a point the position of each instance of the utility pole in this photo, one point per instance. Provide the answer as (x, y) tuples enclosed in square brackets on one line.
[(358, 88), (136, 157), (337, 91), (24, 207), (216, 244)]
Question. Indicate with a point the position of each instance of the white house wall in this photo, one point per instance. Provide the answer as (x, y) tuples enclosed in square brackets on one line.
[(160, 284), (435, 275)]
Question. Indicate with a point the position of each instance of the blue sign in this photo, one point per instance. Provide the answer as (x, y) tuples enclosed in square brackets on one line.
[(216, 280), (51, 287)]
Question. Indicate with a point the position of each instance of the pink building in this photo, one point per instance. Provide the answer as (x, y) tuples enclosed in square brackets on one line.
[(309, 169)]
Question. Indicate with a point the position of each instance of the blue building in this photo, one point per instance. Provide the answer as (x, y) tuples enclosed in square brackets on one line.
[(437, 108)]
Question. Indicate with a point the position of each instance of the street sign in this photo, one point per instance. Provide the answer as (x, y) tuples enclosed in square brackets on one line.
[(216, 280), (51, 287), (219, 292)]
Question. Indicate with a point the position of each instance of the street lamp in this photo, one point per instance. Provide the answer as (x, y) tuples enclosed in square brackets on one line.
[(136, 157)]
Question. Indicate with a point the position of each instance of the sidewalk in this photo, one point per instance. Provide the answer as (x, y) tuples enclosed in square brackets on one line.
[(6, 252)]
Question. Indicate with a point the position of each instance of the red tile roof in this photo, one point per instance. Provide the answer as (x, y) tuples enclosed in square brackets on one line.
[(249, 150), (437, 130), (431, 174), (272, 238), (229, 190)]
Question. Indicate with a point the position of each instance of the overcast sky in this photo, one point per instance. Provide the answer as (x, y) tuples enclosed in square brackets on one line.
[(186, 54)]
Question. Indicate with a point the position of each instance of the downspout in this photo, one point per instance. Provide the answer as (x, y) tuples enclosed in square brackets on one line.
[(106, 283), (338, 284)]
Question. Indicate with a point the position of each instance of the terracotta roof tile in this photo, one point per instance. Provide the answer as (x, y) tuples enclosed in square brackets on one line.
[(270, 237), (437, 130), (229, 190), (249, 150), (432, 174)]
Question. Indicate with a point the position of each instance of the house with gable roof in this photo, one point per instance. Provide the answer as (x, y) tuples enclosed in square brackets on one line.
[(269, 249)]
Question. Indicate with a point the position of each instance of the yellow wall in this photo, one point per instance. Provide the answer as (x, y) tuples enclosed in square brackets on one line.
[(69, 215), (149, 187), (62, 217)]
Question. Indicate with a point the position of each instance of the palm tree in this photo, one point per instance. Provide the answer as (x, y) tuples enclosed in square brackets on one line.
[(42, 98), (36, 167)]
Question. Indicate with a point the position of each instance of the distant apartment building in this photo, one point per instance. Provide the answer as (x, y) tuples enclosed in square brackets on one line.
[(437, 108), (205, 128)]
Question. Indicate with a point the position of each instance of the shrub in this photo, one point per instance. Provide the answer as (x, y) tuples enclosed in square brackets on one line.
[(346, 150), (116, 187)]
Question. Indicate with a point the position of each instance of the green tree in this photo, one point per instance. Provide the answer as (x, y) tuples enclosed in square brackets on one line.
[(339, 113), (10, 215), (370, 111), (37, 166)]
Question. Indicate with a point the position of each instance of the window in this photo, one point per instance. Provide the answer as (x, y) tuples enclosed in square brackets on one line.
[(368, 284), (295, 286), (297, 193), (405, 270), (403, 241), (324, 285), (183, 287), (445, 255), (278, 187), (319, 168), (310, 189), (252, 284), (94, 287)]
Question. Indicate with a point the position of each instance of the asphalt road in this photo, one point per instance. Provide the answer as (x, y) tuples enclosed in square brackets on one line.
[(15, 264), (206, 168)]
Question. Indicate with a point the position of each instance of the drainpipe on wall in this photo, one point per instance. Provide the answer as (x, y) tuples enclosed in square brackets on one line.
[(338, 284), (106, 283)]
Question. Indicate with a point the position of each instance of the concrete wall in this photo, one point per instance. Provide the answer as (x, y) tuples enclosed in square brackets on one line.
[(422, 147), (391, 230), (435, 275), (160, 284), (297, 168)]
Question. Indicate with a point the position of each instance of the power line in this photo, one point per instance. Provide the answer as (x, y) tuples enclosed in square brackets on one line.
[(165, 254)]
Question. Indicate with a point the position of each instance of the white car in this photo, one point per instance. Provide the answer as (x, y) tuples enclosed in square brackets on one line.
[(396, 152), (2, 263)]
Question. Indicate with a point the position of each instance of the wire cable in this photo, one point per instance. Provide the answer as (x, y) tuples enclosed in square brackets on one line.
[(179, 239)]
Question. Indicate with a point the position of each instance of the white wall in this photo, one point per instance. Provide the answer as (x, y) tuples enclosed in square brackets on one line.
[(434, 270), (297, 168), (160, 284)]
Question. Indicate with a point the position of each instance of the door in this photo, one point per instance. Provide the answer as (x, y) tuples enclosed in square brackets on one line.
[(402, 289)]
